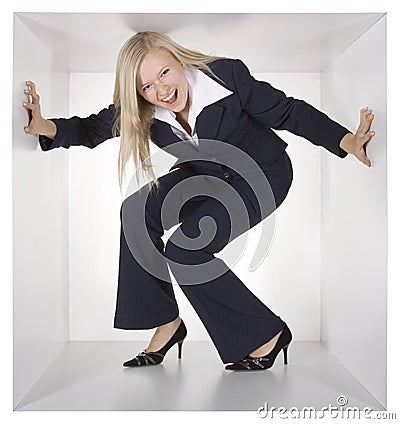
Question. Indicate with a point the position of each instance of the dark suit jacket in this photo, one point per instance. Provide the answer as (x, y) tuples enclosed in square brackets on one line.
[(243, 119)]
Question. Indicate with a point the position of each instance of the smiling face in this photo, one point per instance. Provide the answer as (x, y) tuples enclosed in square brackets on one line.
[(162, 82)]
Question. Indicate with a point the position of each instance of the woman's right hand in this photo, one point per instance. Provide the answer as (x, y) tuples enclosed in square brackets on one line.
[(37, 124)]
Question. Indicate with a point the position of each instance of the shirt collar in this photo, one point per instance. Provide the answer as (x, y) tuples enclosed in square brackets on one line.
[(203, 91)]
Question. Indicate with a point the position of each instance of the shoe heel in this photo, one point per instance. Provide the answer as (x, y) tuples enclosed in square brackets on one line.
[(285, 348), (180, 349)]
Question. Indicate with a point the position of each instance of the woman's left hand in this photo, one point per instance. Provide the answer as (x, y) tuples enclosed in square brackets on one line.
[(355, 143)]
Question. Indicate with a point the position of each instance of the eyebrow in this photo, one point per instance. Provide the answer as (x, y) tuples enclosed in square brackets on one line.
[(162, 69)]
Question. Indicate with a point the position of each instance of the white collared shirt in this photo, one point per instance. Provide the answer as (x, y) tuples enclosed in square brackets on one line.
[(203, 91)]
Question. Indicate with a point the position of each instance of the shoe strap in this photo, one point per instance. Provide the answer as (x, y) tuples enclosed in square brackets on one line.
[(254, 362), (143, 353), (147, 357)]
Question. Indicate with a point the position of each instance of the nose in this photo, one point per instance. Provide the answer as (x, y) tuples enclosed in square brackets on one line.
[(162, 89)]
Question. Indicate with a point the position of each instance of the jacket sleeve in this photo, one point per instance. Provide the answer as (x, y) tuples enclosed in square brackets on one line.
[(76, 131), (270, 105)]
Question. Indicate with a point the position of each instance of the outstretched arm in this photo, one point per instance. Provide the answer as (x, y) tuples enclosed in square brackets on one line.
[(276, 110), (66, 132)]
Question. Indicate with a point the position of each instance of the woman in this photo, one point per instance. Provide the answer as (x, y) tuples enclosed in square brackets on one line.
[(217, 119)]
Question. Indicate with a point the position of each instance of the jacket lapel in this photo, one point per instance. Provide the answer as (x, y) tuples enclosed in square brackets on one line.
[(162, 133), (207, 127)]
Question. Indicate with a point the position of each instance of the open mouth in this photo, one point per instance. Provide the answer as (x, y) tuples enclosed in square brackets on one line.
[(171, 98)]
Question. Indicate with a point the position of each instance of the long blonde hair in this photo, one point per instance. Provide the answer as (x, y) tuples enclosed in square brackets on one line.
[(134, 115)]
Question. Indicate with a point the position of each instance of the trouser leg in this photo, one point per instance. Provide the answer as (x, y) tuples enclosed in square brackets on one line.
[(236, 320), (144, 299)]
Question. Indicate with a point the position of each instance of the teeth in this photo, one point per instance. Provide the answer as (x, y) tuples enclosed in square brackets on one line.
[(167, 99)]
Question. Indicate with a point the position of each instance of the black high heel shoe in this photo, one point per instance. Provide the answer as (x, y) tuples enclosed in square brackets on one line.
[(251, 363), (155, 358)]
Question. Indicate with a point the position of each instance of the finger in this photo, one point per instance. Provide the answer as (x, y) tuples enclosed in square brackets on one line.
[(28, 93), (35, 97), (32, 88), (31, 85), (362, 112), (29, 130), (365, 123), (30, 106), (361, 126)]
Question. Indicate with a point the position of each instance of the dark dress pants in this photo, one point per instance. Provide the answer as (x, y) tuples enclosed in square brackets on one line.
[(235, 319)]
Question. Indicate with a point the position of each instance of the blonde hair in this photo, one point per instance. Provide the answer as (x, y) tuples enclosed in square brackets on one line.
[(134, 115)]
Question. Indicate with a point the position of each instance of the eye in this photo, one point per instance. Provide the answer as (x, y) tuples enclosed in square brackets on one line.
[(146, 87), (164, 72)]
